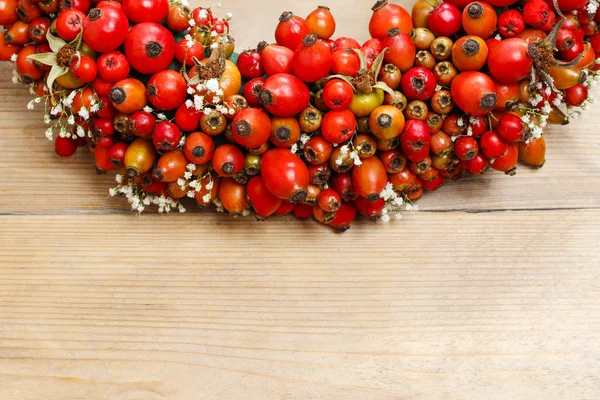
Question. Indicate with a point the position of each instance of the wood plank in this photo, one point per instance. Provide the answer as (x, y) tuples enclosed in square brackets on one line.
[(113, 307)]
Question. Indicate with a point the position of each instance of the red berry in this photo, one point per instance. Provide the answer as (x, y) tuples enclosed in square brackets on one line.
[(576, 95), (445, 19), (65, 147), (492, 145), (312, 59), (511, 23), (146, 10), (285, 175), (262, 200), (284, 95), (338, 126), (250, 65), (291, 30), (166, 136), (466, 148), (105, 29), (251, 128), (418, 84), (142, 124), (536, 13), (149, 47), (511, 128), (227, 160), (166, 90), (84, 68), (337, 94), (117, 153)]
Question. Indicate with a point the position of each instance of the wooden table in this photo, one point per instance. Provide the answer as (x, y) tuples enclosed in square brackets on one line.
[(490, 291)]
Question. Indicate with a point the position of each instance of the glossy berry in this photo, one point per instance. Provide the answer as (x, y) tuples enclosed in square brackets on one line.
[(511, 128), (466, 148), (84, 68), (65, 147)]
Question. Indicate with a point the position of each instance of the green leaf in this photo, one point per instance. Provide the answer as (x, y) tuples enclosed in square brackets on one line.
[(44, 58), (55, 43), (378, 63), (55, 72), (383, 86), (362, 58), (77, 41)]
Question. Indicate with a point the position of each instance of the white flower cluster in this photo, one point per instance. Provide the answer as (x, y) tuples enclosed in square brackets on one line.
[(192, 186), (209, 89), (139, 199), (304, 138), (394, 204), (344, 152), (61, 112), (592, 7)]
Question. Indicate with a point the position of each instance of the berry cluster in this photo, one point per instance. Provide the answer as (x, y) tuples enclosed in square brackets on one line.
[(321, 128)]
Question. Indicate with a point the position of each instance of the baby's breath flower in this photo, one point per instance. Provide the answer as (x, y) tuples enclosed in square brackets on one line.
[(188, 175), (80, 131), (294, 148), (30, 105), (148, 109), (460, 122), (526, 118), (181, 182), (49, 133), (537, 132), (71, 120), (535, 100), (191, 194), (199, 102), (84, 113), (344, 149), (206, 197), (547, 109), (212, 85), (209, 185), (189, 103), (192, 22), (388, 192), (304, 138), (161, 116), (398, 201), (56, 109), (13, 58), (245, 213), (191, 167)]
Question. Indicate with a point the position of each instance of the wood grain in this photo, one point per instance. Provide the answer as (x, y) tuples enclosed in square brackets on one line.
[(490, 292), (242, 314)]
